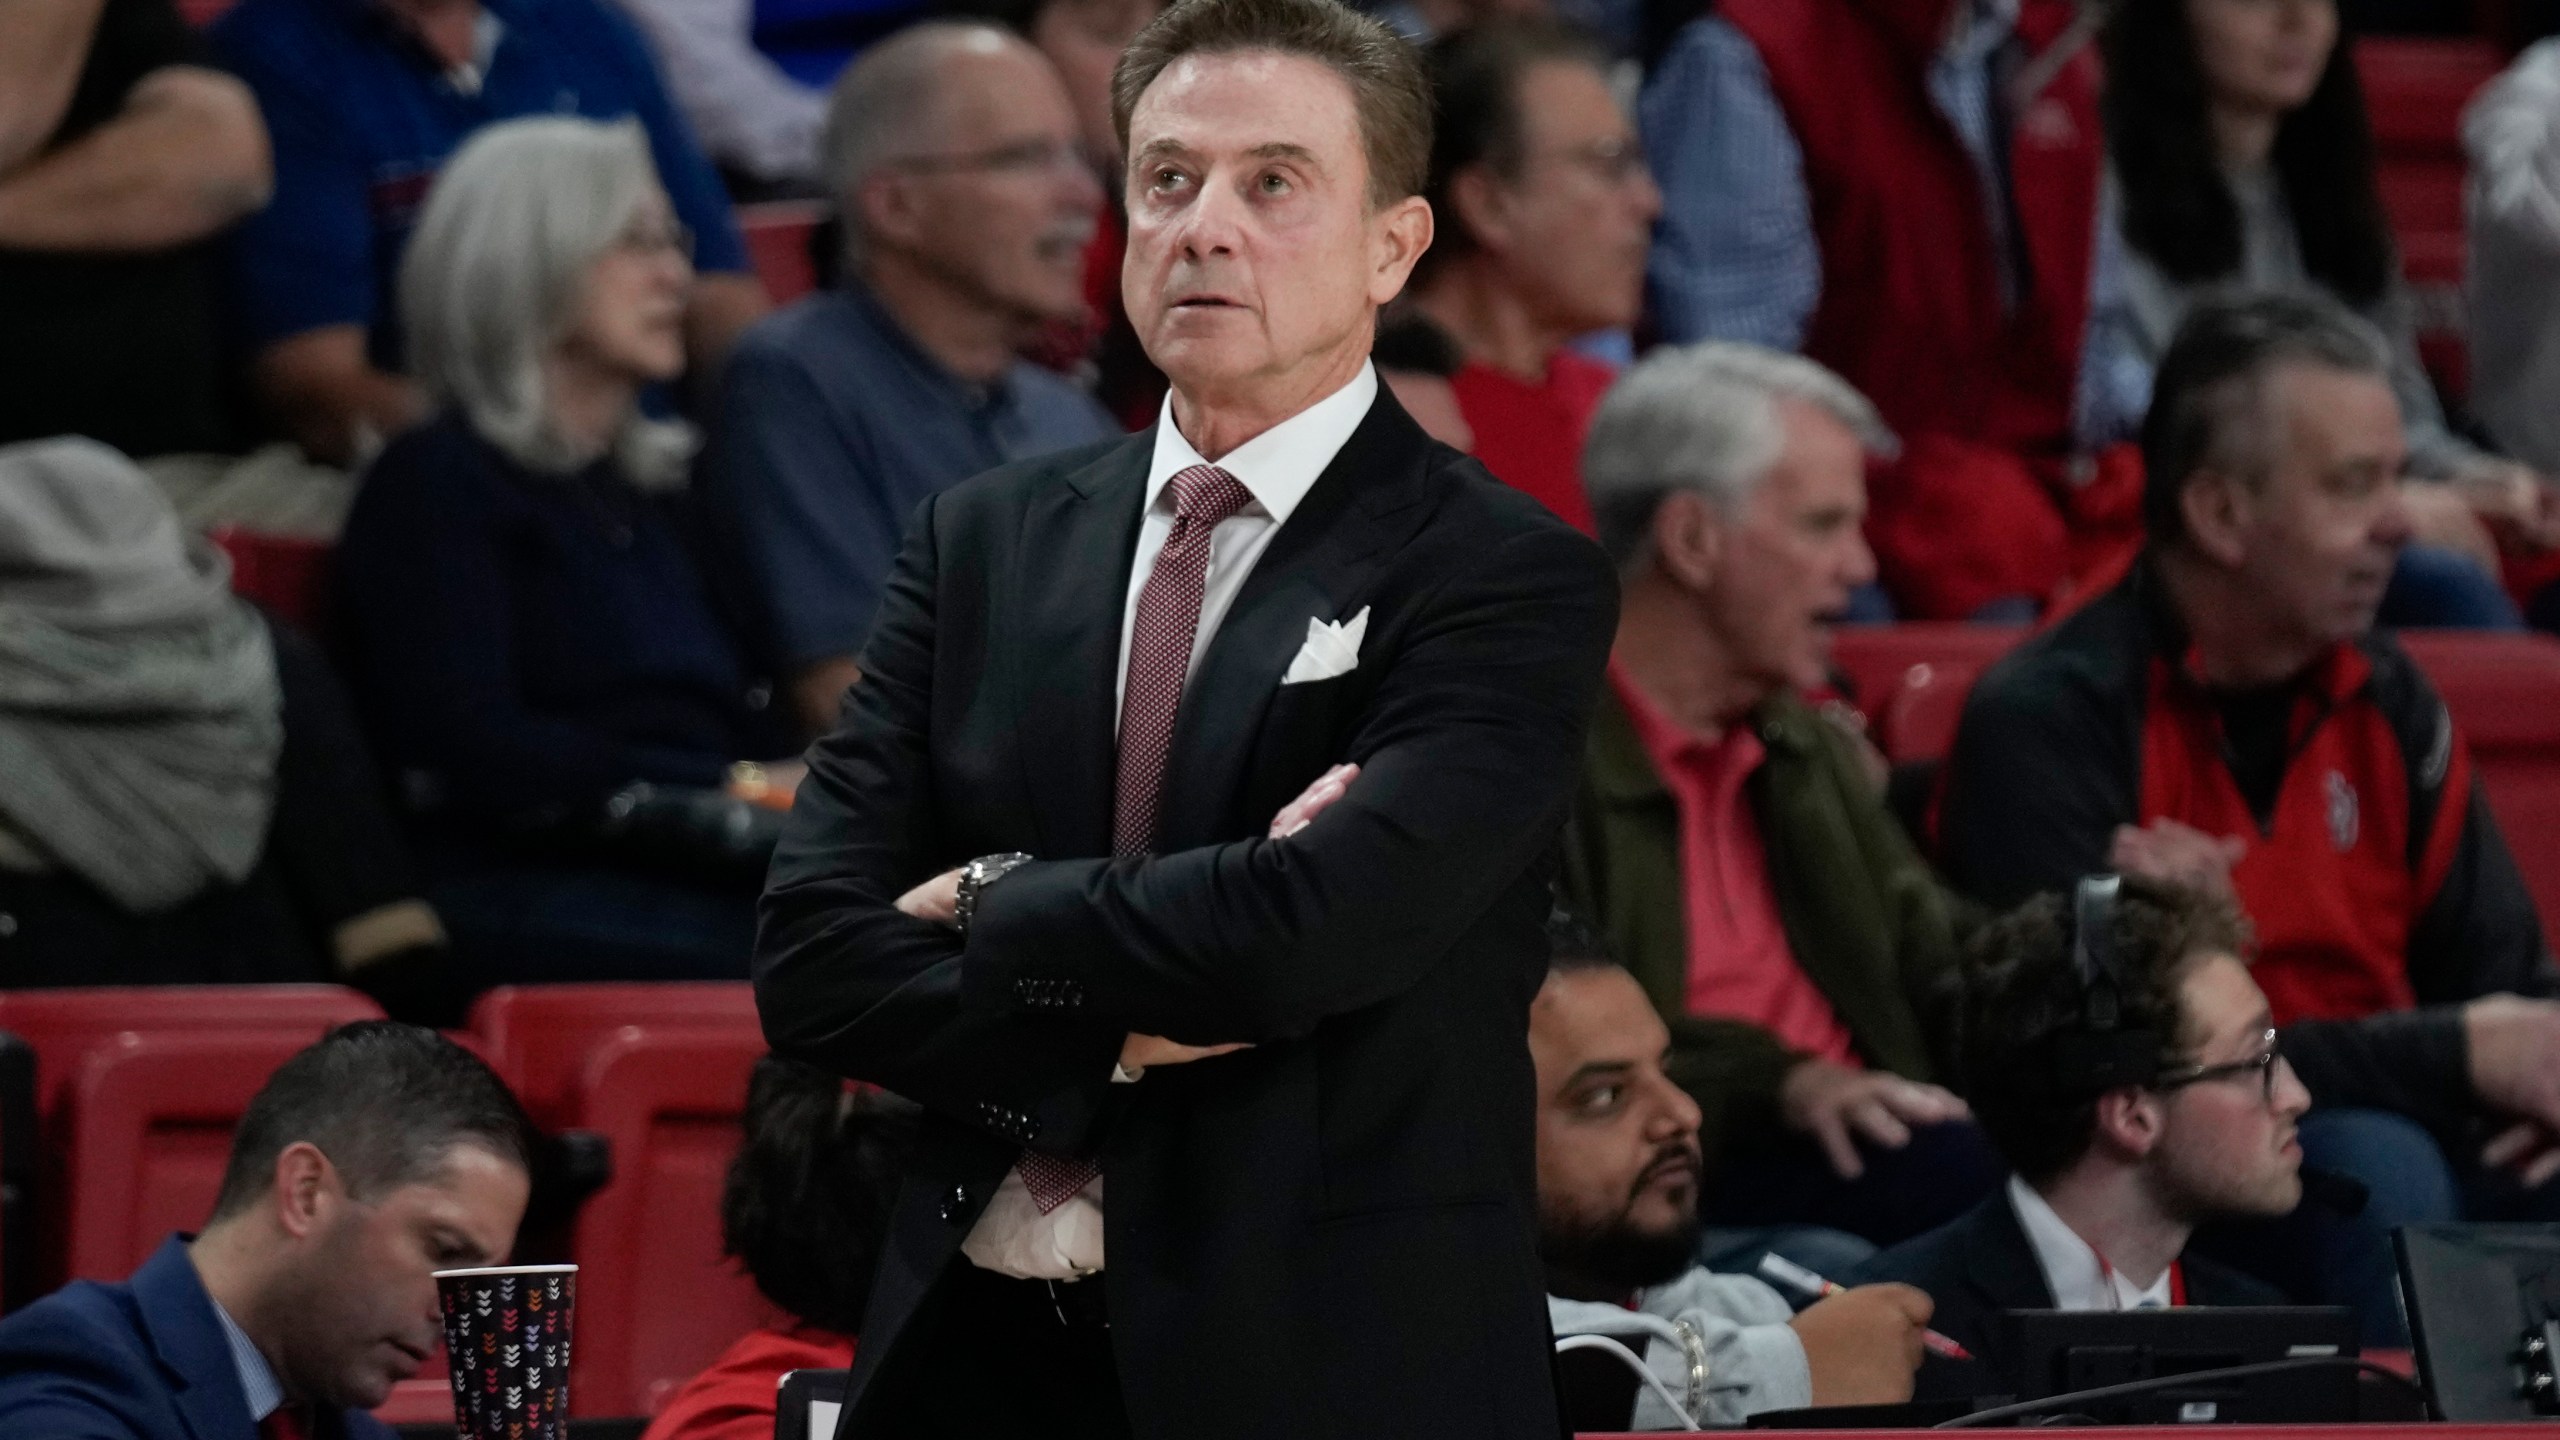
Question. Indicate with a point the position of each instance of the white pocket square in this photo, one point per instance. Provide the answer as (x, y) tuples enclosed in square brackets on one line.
[(1332, 648)]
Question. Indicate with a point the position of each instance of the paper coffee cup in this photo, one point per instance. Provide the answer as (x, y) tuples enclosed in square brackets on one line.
[(506, 1335)]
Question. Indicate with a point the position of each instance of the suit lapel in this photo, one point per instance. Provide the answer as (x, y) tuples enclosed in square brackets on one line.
[(2002, 1266), (1077, 542), (1366, 501), (187, 1336)]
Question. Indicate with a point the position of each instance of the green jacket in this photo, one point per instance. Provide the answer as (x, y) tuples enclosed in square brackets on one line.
[(1864, 915)]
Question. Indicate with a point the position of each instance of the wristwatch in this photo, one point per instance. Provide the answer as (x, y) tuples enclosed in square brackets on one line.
[(976, 876)]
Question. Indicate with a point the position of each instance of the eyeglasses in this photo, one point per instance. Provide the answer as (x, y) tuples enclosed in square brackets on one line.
[(2260, 1067), (655, 238), (1612, 162), (1028, 157)]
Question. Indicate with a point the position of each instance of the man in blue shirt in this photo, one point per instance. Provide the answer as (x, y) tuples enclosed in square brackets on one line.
[(371, 1160), (365, 100), (968, 206)]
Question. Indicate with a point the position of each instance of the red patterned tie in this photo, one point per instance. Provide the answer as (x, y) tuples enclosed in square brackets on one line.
[(1159, 661), (283, 1423)]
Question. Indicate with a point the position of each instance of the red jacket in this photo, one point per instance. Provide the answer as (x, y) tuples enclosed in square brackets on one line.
[(1911, 310), (1530, 434), (735, 1398)]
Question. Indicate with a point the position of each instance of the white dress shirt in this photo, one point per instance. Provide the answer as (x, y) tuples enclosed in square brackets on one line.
[(2079, 1277), (258, 1383), (1277, 467)]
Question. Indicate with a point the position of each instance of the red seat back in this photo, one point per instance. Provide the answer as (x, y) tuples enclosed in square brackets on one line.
[(541, 1037), (657, 1301), (62, 1026), (777, 234), (1877, 659)]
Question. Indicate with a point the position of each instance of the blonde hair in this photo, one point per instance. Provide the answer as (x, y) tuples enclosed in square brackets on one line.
[(492, 277)]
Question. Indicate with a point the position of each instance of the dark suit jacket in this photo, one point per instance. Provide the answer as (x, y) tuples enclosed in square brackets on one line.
[(1980, 1264), (1332, 1233), (144, 1360)]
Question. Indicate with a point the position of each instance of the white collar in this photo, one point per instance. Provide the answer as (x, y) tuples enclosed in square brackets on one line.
[(1280, 465), (2078, 1276), (258, 1383)]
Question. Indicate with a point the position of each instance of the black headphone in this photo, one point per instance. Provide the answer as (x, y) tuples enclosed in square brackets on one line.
[(2098, 1054)]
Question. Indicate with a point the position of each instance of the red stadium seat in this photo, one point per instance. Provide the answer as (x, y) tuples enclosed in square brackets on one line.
[(2503, 690), (777, 234), (287, 574), (1877, 659), (64, 1025), (2415, 91), (540, 1038), (656, 1299)]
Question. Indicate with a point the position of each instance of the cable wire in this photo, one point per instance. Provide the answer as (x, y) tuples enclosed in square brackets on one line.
[(1636, 1363), (2172, 1382)]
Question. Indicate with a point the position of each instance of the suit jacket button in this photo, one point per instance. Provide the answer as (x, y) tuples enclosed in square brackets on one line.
[(955, 1205)]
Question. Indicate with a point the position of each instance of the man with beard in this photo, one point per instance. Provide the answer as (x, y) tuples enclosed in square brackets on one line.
[(371, 1160), (2109, 1183), (1618, 1170), (2227, 717)]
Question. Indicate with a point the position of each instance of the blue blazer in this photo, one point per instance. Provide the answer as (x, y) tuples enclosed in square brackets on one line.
[(144, 1360)]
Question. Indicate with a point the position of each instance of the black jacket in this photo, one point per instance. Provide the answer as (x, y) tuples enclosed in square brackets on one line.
[(1332, 1234), (2098, 723), (1980, 1264)]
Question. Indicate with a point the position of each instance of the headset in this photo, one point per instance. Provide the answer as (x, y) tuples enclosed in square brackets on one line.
[(2099, 1053)]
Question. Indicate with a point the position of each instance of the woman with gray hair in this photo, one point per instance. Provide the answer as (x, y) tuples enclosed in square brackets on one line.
[(528, 627)]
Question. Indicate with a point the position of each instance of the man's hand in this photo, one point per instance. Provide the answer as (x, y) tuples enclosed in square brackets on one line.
[(1836, 1105), (2515, 1070), (2517, 506), (937, 899), (1313, 801), (2168, 853), (2447, 517), (1863, 1345), (1140, 1051)]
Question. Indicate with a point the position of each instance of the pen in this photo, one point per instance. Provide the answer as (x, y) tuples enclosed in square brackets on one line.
[(1795, 1277)]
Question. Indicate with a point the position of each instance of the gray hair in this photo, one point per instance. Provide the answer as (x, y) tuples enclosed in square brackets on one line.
[(886, 103), (492, 279), (1703, 418), (2208, 398)]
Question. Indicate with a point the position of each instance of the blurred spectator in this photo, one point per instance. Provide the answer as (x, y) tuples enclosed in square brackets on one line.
[(752, 75), (1618, 1178), (120, 156), (968, 205), (805, 1211), (1426, 21), (1419, 362), (1946, 271), (1545, 212), (1733, 843), (529, 630), (366, 1163), (2513, 135), (2231, 699), (184, 798), (2111, 1179), (2243, 162), (366, 100)]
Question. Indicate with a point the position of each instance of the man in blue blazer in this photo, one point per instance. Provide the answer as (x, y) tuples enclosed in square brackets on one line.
[(377, 1157)]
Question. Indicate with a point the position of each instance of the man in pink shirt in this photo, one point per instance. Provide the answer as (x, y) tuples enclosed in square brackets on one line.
[(1733, 842)]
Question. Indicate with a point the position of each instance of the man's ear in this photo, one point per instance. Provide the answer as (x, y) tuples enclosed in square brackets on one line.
[(1689, 539), (1398, 236), (306, 1189), (1475, 200), (2129, 1122), (2216, 508), (884, 206)]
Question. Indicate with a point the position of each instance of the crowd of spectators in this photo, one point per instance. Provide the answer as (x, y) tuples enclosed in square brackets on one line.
[(1805, 309)]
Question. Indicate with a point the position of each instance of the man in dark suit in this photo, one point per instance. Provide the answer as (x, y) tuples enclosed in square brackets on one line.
[(368, 1162), (2113, 1174), (1150, 665)]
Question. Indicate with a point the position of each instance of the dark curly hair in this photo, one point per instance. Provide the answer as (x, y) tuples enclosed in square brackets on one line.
[(2020, 991), (2178, 209), (806, 1207)]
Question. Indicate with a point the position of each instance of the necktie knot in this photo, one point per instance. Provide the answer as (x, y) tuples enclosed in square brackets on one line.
[(1205, 495)]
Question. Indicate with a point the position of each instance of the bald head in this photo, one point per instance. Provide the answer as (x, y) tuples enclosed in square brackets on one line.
[(910, 95)]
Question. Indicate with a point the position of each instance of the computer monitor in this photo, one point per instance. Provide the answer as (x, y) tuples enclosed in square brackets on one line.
[(810, 1404), (2059, 1352), (2482, 1303)]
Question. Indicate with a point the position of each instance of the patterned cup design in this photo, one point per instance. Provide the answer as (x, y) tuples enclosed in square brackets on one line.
[(507, 1333)]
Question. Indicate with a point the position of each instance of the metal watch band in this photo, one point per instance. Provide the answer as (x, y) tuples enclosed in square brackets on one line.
[(975, 877)]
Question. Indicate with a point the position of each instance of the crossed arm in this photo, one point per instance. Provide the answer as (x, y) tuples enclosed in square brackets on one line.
[(1465, 756)]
